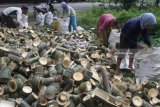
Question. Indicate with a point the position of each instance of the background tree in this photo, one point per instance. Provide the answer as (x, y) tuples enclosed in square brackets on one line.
[(127, 3), (157, 3)]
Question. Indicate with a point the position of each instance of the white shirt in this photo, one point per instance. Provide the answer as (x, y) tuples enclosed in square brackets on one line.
[(18, 10), (70, 11)]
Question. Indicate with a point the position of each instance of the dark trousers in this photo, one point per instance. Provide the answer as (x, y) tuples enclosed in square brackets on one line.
[(8, 21), (124, 47)]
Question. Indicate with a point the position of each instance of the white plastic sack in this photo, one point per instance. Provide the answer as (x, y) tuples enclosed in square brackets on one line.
[(147, 64), (40, 19), (41, 5), (25, 20), (114, 37), (4, 103), (64, 25), (124, 62), (48, 18)]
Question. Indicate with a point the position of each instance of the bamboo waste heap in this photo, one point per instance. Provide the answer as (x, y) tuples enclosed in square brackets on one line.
[(39, 68)]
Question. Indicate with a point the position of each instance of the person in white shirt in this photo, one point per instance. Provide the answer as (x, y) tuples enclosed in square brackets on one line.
[(12, 16), (69, 11)]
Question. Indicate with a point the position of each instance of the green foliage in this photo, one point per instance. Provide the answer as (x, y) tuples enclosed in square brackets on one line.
[(127, 3), (156, 42)]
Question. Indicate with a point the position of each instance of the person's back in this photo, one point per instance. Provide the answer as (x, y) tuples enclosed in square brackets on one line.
[(12, 11), (12, 16), (104, 21), (104, 25)]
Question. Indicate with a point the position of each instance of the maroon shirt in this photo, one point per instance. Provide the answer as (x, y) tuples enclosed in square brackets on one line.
[(104, 22)]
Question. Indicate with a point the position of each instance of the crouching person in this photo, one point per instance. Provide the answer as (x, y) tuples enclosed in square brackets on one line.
[(12, 16)]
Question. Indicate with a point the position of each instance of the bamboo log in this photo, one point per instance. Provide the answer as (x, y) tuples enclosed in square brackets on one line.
[(23, 79), (78, 68), (1, 91), (104, 96), (146, 104), (15, 52), (36, 83), (31, 60), (85, 86), (26, 90), (49, 80), (68, 80), (58, 55), (106, 83), (148, 84), (87, 100), (5, 89), (31, 98), (13, 66), (24, 71), (87, 75), (50, 92), (68, 88), (59, 67), (5, 74), (22, 103), (39, 69), (15, 85), (15, 58), (13, 95)]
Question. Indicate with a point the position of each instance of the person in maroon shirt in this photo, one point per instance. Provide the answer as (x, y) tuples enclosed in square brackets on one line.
[(129, 34), (104, 25)]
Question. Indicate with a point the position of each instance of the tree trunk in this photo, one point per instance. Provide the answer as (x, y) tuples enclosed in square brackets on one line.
[(157, 2)]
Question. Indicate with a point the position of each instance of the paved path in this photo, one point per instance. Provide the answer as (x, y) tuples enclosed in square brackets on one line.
[(76, 6)]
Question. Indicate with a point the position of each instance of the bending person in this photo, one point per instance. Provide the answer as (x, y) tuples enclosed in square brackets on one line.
[(104, 26), (12, 16), (129, 35), (69, 11)]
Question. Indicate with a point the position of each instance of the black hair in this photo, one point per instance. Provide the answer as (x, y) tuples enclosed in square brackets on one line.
[(24, 8)]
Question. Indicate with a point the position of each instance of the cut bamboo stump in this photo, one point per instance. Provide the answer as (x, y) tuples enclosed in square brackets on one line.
[(26, 90), (62, 98), (137, 101), (31, 98), (43, 102), (152, 92), (15, 85), (78, 77)]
